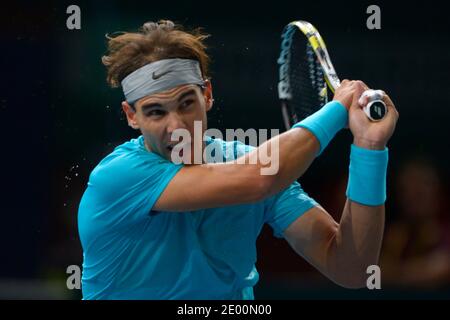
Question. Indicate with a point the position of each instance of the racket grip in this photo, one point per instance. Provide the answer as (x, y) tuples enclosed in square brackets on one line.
[(375, 110)]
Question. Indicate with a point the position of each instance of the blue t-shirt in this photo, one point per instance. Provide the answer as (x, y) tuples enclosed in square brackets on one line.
[(132, 252)]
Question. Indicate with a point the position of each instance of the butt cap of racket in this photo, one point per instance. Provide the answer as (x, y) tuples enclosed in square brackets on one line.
[(375, 109)]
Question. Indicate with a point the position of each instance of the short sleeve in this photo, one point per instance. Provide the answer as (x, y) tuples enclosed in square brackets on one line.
[(124, 189), (285, 207)]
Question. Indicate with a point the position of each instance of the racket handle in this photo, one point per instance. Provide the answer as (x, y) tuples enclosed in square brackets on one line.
[(375, 110)]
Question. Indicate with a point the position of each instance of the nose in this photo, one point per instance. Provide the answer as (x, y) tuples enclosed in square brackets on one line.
[(174, 121)]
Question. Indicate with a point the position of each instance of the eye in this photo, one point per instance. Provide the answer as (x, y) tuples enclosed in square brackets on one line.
[(155, 113), (186, 103)]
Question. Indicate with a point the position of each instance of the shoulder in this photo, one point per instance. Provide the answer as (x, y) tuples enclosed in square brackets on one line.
[(128, 162)]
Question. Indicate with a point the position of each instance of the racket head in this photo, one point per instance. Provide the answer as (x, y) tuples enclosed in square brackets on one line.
[(305, 74), (302, 85)]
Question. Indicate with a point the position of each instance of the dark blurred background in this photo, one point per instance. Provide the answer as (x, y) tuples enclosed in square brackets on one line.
[(59, 118)]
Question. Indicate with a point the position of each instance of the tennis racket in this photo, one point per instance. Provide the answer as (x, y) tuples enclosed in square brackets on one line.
[(306, 73)]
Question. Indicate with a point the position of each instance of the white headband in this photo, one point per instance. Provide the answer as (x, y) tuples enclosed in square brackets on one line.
[(159, 76)]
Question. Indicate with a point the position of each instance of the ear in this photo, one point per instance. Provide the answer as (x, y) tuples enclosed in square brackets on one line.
[(208, 95), (131, 115)]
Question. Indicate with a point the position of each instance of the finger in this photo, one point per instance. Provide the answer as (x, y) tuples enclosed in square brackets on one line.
[(362, 84), (371, 95), (387, 100), (392, 110), (345, 82), (359, 89), (363, 100)]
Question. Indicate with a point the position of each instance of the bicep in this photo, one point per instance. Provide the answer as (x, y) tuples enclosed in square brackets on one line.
[(311, 236), (212, 185)]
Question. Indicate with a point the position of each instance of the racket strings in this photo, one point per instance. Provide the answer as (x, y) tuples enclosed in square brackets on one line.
[(306, 80), (316, 74)]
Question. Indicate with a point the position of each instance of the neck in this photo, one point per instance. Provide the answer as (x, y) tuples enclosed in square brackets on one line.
[(146, 146)]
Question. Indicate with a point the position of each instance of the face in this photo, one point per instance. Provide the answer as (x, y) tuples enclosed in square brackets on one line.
[(157, 116)]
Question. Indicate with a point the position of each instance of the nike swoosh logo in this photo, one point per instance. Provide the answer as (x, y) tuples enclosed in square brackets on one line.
[(157, 76)]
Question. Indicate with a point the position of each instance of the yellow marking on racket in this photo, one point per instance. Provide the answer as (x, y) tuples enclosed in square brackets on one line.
[(314, 43), (329, 84), (323, 92)]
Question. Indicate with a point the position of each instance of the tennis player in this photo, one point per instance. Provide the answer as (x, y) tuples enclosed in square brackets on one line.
[(154, 229)]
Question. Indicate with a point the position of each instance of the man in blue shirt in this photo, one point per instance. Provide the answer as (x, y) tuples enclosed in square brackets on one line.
[(154, 229)]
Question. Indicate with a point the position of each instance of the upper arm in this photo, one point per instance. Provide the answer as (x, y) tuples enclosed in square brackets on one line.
[(311, 236), (213, 185)]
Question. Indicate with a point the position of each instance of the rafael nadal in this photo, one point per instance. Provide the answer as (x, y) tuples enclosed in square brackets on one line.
[(154, 229)]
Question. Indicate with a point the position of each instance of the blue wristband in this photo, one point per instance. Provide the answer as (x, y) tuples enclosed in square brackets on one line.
[(367, 176), (326, 122)]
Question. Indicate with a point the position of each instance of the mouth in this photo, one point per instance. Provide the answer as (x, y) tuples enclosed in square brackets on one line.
[(170, 148), (179, 147)]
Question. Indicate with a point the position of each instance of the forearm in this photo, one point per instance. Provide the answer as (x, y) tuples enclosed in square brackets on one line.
[(245, 180), (357, 243), (358, 239), (295, 149), (291, 154)]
